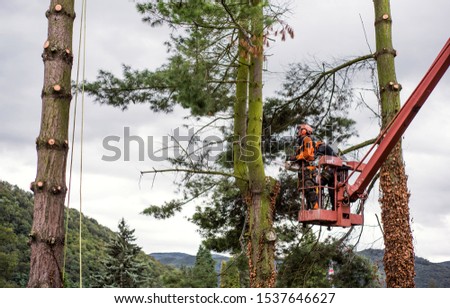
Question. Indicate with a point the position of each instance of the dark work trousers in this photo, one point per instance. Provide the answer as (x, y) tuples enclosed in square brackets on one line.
[(327, 179), (306, 183)]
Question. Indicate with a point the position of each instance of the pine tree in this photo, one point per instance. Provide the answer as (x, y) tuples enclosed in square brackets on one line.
[(216, 65), (8, 257), (307, 265), (122, 268), (229, 274), (203, 273)]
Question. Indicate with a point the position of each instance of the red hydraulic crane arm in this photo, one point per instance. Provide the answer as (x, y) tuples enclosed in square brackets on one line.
[(393, 132)]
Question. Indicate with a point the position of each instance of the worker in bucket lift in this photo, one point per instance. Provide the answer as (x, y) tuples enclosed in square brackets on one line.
[(304, 155), (327, 172)]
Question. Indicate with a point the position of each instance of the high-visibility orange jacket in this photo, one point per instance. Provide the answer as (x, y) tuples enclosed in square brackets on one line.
[(306, 149)]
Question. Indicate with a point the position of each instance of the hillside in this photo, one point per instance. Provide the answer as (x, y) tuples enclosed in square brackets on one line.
[(428, 274), (16, 214), (178, 259), (16, 211)]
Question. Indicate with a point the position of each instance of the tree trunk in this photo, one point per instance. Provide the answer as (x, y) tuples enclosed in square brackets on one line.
[(47, 234), (398, 240), (240, 116), (261, 205)]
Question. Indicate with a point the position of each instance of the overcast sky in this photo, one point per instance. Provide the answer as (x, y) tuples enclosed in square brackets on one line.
[(324, 30)]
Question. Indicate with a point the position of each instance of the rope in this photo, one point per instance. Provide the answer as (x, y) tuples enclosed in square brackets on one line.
[(82, 38), (82, 138)]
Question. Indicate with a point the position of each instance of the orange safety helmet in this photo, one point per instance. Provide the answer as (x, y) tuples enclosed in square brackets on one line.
[(306, 127)]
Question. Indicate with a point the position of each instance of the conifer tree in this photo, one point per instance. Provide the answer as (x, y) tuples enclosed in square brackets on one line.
[(122, 268), (8, 257), (203, 273), (229, 274), (307, 265), (215, 69)]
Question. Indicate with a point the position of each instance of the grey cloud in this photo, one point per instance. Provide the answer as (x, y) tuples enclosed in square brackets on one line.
[(116, 35)]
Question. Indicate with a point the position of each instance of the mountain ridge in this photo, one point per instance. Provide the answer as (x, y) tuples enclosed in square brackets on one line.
[(16, 209), (180, 259), (428, 274)]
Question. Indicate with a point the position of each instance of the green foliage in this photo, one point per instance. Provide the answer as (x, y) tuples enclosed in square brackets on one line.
[(226, 208), (201, 275), (222, 222), (314, 96), (16, 214), (229, 274), (204, 273), (182, 81), (355, 271), (222, 230), (179, 13), (134, 87), (310, 258), (307, 266), (122, 266), (93, 242), (201, 70), (177, 278), (16, 218), (201, 75), (164, 211), (9, 258)]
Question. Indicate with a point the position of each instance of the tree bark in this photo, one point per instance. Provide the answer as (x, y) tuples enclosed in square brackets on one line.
[(240, 116), (398, 240), (47, 234), (261, 206)]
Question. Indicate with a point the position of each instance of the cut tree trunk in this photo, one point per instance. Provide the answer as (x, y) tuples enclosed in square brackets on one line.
[(262, 190), (47, 234), (398, 240), (240, 117)]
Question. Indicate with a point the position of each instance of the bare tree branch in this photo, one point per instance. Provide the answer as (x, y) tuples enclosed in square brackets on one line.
[(377, 115), (358, 146), (195, 171), (330, 72), (234, 21), (379, 224)]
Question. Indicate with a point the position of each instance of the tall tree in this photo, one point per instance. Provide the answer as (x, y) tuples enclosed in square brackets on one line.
[(203, 273), (217, 66), (398, 240), (307, 265), (123, 268), (216, 29), (9, 258), (262, 191), (47, 234), (229, 274)]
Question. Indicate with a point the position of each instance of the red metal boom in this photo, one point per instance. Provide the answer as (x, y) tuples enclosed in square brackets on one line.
[(393, 132), (340, 213)]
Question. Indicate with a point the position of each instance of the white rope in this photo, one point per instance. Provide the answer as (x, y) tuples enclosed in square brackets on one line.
[(81, 42)]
